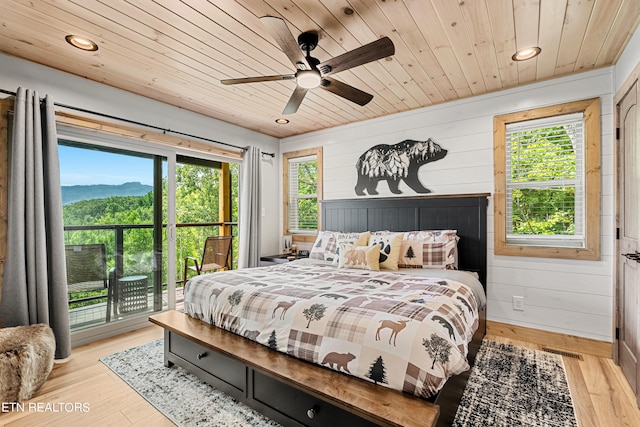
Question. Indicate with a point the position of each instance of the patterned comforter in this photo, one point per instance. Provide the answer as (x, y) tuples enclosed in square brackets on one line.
[(402, 331)]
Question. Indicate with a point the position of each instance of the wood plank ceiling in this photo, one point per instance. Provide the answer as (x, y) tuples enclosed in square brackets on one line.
[(178, 51)]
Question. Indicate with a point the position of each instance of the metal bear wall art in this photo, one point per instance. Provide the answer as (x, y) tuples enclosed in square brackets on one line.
[(396, 163)]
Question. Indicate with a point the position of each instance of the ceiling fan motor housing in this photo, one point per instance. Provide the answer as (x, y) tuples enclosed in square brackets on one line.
[(308, 41)]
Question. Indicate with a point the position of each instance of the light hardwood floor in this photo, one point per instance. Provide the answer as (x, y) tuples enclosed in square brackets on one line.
[(601, 395)]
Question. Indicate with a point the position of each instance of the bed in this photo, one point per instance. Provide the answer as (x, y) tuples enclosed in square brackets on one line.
[(407, 330)]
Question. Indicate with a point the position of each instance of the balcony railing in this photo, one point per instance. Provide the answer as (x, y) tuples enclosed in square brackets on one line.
[(129, 261)]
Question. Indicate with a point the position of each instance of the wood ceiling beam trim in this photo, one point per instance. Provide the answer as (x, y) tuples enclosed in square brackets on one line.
[(146, 135)]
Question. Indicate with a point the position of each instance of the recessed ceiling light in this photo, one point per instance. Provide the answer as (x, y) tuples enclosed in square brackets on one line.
[(282, 121), (81, 42), (528, 53)]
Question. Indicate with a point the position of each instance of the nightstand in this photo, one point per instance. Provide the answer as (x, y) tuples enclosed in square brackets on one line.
[(276, 259)]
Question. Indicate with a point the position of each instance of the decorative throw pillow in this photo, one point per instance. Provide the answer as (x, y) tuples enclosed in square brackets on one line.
[(436, 235), (424, 254), (389, 246), (356, 239), (324, 248), (429, 249), (411, 253), (362, 257), (446, 236)]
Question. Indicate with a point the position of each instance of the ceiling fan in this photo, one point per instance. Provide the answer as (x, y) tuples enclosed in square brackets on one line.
[(312, 73)]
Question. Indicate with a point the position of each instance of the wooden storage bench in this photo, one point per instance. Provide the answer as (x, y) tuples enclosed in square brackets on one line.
[(290, 391)]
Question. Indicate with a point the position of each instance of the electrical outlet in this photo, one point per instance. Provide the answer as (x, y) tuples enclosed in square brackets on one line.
[(518, 303)]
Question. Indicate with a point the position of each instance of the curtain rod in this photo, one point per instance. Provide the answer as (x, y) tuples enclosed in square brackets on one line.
[(164, 130)]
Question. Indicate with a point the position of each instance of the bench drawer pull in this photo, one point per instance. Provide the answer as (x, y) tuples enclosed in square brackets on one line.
[(312, 412)]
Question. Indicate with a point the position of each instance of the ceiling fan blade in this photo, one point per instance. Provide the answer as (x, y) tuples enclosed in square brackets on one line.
[(295, 100), (282, 35), (363, 55), (346, 91), (257, 79)]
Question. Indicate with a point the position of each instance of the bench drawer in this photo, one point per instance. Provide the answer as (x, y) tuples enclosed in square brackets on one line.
[(222, 367), (297, 405)]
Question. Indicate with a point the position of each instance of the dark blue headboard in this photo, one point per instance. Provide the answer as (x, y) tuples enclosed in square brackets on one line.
[(465, 213)]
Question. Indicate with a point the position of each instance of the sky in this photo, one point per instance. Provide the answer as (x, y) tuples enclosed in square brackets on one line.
[(86, 167)]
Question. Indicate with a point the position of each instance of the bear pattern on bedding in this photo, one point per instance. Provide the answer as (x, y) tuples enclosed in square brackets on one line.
[(405, 332)]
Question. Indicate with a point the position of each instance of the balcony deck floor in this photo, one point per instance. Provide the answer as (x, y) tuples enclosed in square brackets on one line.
[(96, 314)]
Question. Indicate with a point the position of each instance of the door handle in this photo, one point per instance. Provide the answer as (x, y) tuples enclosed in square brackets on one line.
[(632, 256)]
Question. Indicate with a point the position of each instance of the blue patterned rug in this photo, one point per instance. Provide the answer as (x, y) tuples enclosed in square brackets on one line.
[(509, 386)]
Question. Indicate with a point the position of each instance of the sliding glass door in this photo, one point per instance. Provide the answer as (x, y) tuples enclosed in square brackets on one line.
[(125, 249), (114, 205), (206, 206)]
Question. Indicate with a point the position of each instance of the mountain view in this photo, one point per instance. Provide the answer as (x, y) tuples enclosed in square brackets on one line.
[(75, 193)]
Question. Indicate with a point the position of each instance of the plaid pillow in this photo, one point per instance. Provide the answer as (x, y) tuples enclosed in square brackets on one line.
[(429, 249), (324, 248)]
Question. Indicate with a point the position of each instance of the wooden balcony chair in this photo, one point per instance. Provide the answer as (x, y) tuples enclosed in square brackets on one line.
[(87, 270), (215, 256)]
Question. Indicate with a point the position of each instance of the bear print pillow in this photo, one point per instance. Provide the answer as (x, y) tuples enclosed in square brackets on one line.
[(360, 257), (356, 239)]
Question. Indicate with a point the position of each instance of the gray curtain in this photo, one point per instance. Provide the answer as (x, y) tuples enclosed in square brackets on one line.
[(249, 224), (34, 285)]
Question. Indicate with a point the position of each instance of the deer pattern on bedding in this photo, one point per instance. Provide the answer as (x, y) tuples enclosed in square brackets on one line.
[(405, 332)]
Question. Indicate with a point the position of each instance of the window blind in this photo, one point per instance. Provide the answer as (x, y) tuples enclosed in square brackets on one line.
[(303, 199), (545, 181)]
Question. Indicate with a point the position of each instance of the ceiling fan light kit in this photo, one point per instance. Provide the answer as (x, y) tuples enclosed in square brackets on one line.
[(310, 72), (308, 79)]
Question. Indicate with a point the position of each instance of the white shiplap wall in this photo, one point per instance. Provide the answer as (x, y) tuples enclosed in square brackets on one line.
[(628, 61), (571, 297)]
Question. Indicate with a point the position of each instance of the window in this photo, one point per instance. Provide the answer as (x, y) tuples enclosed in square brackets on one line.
[(302, 190), (547, 181)]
